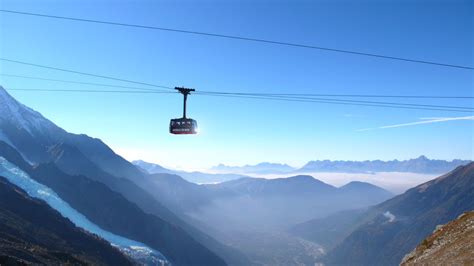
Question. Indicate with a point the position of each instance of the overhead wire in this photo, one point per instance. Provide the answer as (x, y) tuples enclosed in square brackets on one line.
[(339, 103), (85, 73), (241, 38), (354, 101), (93, 91), (82, 83), (347, 95), (255, 94), (242, 95)]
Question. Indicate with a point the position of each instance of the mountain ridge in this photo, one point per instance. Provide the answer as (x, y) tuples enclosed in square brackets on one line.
[(421, 164)]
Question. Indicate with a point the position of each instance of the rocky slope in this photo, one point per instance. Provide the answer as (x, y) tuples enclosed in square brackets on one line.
[(450, 244)]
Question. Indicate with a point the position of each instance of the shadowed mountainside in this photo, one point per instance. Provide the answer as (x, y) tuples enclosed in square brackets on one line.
[(33, 233)]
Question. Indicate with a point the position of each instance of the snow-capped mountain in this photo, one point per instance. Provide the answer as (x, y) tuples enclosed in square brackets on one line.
[(13, 113), (38, 139)]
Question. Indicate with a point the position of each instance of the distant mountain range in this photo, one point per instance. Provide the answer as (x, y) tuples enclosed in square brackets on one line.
[(418, 165), (221, 172), (383, 234)]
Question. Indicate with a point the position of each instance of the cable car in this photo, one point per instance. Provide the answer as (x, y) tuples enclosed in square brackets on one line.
[(183, 125)]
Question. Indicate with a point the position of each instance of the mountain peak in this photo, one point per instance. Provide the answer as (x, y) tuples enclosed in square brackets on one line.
[(21, 116), (422, 157), (357, 184)]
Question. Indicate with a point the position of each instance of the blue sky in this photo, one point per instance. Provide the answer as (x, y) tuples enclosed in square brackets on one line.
[(243, 131)]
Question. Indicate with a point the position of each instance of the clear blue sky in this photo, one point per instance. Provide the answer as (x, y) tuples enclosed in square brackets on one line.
[(241, 131)]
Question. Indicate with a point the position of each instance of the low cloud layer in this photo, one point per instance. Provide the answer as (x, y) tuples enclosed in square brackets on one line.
[(389, 216)]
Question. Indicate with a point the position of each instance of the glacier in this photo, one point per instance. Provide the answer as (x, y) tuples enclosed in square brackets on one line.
[(140, 252)]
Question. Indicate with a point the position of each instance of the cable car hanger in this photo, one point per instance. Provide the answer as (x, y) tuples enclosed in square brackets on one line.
[(184, 125)]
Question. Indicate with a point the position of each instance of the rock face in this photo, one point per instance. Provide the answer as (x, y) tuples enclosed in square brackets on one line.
[(450, 244)]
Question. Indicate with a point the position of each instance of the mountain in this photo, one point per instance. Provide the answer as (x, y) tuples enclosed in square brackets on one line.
[(39, 141), (31, 232), (364, 190), (107, 209), (450, 244), (418, 165), (283, 202), (391, 229), (195, 176), (301, 185), (261, 168), (37, 137)]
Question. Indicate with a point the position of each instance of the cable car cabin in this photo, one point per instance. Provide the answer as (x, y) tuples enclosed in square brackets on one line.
[(183, 126)]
